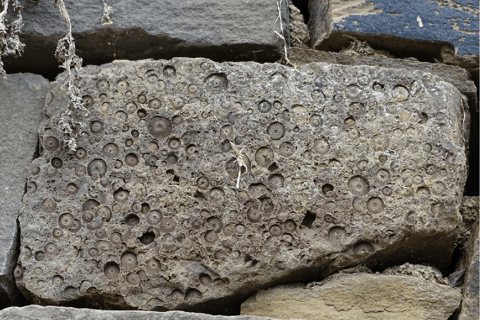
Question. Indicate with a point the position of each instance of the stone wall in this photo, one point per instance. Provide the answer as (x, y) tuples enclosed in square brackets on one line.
[(294, 160)]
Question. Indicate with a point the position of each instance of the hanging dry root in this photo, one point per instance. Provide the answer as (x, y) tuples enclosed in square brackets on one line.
[(280, 34), (66, 55), (240, 158)]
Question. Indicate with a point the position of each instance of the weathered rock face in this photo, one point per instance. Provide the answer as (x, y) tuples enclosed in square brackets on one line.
[(419, 271), (21, 101), (470, 302), (61, 313), (357, 296), (219, 30), (299, 34), (457, 76), (470, 214), (469, 211), (195, 181)]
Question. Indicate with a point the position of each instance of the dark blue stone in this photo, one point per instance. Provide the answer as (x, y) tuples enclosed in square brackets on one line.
[(385, 23)]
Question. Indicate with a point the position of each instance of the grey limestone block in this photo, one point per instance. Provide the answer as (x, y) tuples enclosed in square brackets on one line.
[(457, 76), (219, 30), (195, 182), (21, 103), (35, 312)]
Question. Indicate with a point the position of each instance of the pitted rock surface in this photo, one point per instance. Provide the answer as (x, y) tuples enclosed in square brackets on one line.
[(457, 76), (470, 214), (195, 181)]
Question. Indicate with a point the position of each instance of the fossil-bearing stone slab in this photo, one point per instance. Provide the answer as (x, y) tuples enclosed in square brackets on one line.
[(22, 97), (196, 181), (221, 30), (357, 296), (457, 76), (35, 312)]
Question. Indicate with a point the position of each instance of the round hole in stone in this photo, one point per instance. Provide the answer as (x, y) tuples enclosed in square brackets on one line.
[(131, 159), (147, 238), (132, 220), (326, 188), (111, 270)]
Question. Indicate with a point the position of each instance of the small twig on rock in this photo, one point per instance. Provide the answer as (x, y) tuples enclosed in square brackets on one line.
[(239, 156), (240, 160)]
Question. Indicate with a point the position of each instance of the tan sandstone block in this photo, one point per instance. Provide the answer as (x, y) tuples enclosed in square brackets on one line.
[(357, 296)]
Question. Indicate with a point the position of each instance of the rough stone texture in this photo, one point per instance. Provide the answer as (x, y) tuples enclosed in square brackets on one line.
[(61, 313), (469, 210), (446, 20), (470, 301), (216, 29), (453, 74), (420, 271), (299, 35), (457, 76), (469, 62), (21, 101), (470, 214), (196, 181), (357, 296)]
